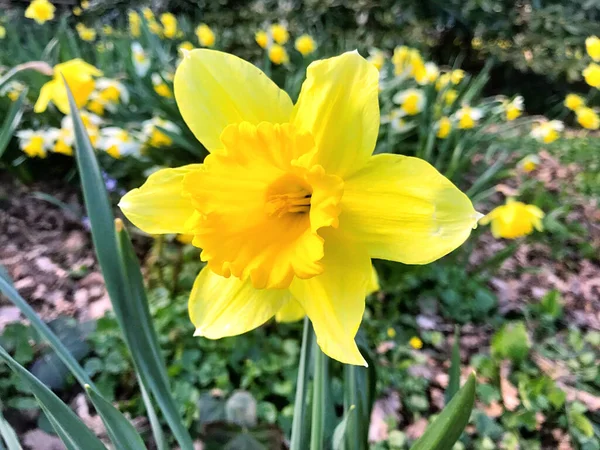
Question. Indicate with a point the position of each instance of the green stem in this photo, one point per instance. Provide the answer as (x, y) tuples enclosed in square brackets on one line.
[(318, 404), (299, 422)]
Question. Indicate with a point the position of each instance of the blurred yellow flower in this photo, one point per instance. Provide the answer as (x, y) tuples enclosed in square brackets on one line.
[(377, 58), (85, 33), (64, 138), (408, 62), (80, 77), (85, 4), (187, 46), (415, 343), (391, 333), (279, 33), (107, 30), (155, 28), (77, 11), (529, 163), (276, 183), (205, 35), (155, 137), (411, 101), (477, 43), (118, 142), (12, 89), (457, 75), (148, 14), (547, 132), (591, 74), (429, 75), (514, 219), (2, 32), (442, 81), (444, 127), (40, 10), (169, 22), (135, 24), (305, 44), (262, 38), (514, 109), (160, 87), (450, 96), (587, 118), (278, 55), (96, 104), (592, 46), (141, 62), (35, 144), (574, 101), (468, 117)]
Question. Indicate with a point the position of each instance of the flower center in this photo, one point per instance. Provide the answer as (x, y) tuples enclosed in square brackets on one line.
[(289, 194)]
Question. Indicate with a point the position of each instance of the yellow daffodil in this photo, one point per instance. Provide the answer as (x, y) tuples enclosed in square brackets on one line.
[(141, 62), (477, 43), (85, 4), (442, 81), (412, 101), (160, 87), (591, 74), (187, 46), (80, 77), (444, 127), (429, 75), (408, 62), (450, 96), (63, 139), (112, 91), (547, 132), (118, 142), (290, 206), (514, 109), (40, 10), (148, 14), (377, 58), (2, 32), (154, 136), (169, 23), (279, 33), (592, 46), (205, 35), (391, 333), (155, 28), (574, 101), (85, 33), (12, 89), (135, 24), (185, 238), (107, 30), (305, 44), (77, 11), (468, 117), (34, 143), (262, 38), (278, 55), (96, 104), (457, 75), (415, 343), (587, 118), (529, 163), (514, 219)]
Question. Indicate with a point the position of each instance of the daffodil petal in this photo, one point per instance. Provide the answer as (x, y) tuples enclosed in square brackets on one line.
[(373, 285), (290, 312), (215, 89), (404, 210), (46, 94), (160, 206), (335, 300), (221, 307), (339, 105)]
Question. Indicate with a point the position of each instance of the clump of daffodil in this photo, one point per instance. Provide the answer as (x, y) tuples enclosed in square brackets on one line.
[(169, 23), (591, 74), (152, 134), (64, 138), (141, 62), (160, 87), (35, 143), (278, 55), (112, 91), (107, 30), (514, 219), (529, 163), (411, 101), (429, 75), (155, 28), (587, 118), (408, 62), (442, 81), (118, 142), (279, 33), (96, 104), (262, 38), (468, 117), (305, 44), (377, 58), (135, 24), (416, 343), (85, 4), (206, 36), (547, 132), (574, 102), (40, 10), (513, 109), (290, 206), (85, 33), (80, 77), (396, 119), (12, 89), (443, 127), (457, 75), (77, 11), (449, 96), (148, 14), (592, 46)]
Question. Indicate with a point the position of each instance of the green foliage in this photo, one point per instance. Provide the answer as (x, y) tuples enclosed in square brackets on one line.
[(512, 342)]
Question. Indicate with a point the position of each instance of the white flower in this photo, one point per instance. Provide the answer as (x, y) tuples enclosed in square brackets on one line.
[(36, 143), (105, 84), (118, 142), (411, 101), (141, 62)]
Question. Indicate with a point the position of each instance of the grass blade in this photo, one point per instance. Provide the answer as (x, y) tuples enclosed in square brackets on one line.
[(124, 283), (66, 423), (8, 435), (443, 433), (454, 378), (157, 433), (11, 121), (319, 405)]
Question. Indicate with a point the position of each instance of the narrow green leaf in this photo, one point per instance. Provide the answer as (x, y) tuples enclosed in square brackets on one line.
[(299, 423), (66, 423), (454, 378), (8, 435), (11, 121), (124, 282), (443, 433), (339, 433), (319, 405), (157, 432), (119, 429)]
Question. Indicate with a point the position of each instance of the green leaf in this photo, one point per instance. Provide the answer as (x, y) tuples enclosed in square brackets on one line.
[(319, 398), (443, 433), (8, 435), (299, 425), (454, 379), (512, 342), (119, 429), (11, 121), (124, 282), (339, 433), (157, 432), (66, 423)]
